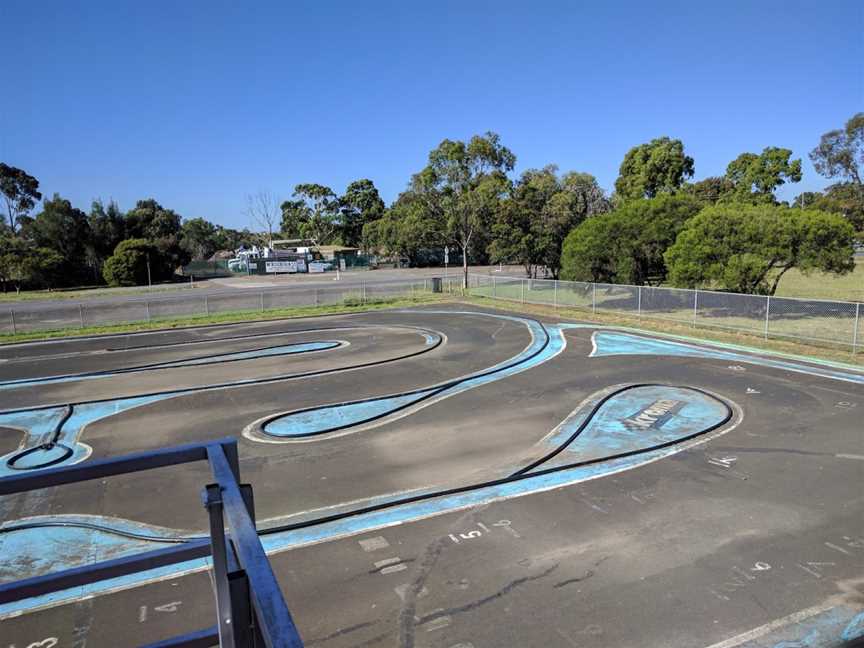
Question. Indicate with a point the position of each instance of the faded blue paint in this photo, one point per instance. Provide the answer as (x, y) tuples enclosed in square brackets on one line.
[(282, 350), (39, 426), (330, 417), (854, 629), (606, 433), (278, 542), (431, 339), (610, 344)]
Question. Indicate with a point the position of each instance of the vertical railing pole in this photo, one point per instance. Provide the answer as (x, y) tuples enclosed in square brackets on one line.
[(363, 289), (522, 286), (494, 289), (767, 314), (206, 305), (147, 306), (219, 550), (261, 295), (593, 297), (855, 330), (555, 294), (639, 302), (12, 317), (81, 314), (695, 306)]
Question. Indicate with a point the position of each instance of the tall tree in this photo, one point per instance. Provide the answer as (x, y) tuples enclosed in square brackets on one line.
[(199, 238), (321, 211), (66, 230), (840, 153), (406, 230), (627, 245), (748, 248), (161, 227), (538, 213), (756, 177), (461, 186), (262, 208), (107, 228), (359, 205), (659, 166), (20, 192)]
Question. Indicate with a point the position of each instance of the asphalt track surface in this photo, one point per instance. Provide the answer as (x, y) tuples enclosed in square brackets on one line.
[(440, 477)]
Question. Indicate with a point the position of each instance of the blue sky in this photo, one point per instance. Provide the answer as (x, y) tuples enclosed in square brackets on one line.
[(199, 103)]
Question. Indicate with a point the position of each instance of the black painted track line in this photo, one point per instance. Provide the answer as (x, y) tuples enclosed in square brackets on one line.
[(519, 475)]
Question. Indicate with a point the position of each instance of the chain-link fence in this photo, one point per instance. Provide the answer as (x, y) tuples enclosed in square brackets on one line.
[(831, 323), (52, 316)]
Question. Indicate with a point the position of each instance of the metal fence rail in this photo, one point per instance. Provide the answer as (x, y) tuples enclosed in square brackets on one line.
[(51, 316), (251, 610), (829, 323)]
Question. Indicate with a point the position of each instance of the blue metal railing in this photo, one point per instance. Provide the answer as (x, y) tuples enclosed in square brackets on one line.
[(251, 610)]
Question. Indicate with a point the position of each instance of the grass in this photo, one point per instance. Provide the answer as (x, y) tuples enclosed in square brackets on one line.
[(352, 304), (87, 293), (822, 325), (672, 328), (819, 285)]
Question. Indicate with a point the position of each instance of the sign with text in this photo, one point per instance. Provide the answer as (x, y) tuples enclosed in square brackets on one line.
[(280, 266)]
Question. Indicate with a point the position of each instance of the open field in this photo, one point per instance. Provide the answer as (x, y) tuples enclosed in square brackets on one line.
[(819, 285), (447, 475)]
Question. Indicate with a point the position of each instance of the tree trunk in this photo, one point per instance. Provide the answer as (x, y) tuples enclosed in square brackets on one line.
[(465, 266), (777, 280)]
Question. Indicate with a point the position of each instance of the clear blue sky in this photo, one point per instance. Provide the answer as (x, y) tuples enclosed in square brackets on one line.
[(199, 103)]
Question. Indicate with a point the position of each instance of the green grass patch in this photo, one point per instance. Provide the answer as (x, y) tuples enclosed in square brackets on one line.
[(819, 285), (352, 304), (672, 328), (88, 293)]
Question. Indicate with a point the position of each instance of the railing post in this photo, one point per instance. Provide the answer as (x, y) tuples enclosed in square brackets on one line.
[(261, 294), (855, 330), (363, 289), (695, 305), (494, 290), (555, 294), (81, 314), (639, 302), (767, 314), (12, 317), (206, 305), (522, 285), (213, 503), (147, 306), (593, 297)]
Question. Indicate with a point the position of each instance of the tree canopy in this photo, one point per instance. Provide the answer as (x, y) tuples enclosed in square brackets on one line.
[(747, 248), (20, 192), (628, 244), (659, 166)]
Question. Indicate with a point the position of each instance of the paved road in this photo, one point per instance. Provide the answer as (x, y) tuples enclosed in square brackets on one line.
[(736, 506)]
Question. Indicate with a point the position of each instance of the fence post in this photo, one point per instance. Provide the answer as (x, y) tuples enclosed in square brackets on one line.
[(555, 294), (855, 330), (593, 298), (639, 302), (261, 294), (522, 285), (494, 291), (695, 306), (147, 306), (206, 305), (12, 317), (81, 314), (767, 314), (363, 290)]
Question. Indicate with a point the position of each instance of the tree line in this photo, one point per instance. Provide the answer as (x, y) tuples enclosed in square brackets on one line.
[(658, 225)]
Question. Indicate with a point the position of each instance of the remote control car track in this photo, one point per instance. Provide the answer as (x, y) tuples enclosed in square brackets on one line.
[(450, 477)]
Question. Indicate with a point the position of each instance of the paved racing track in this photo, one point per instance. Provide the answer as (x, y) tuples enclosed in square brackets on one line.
[(450, 477)]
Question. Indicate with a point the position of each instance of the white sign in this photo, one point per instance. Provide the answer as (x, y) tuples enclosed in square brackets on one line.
[(342, 265), (280, 266), (316, 266), (446, 255), (301, 265)]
